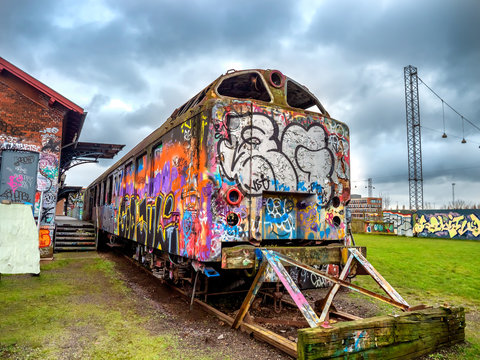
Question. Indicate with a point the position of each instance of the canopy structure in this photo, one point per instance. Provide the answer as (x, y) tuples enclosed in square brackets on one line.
[(78, 153)]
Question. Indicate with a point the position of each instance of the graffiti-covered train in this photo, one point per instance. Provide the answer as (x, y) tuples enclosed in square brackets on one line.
[(253, 160)]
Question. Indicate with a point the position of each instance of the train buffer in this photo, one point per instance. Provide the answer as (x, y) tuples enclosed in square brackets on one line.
[(417, 331)]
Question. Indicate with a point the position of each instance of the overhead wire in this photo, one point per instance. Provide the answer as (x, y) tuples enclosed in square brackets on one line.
[(425, 173), (443, 101), (454, 136)]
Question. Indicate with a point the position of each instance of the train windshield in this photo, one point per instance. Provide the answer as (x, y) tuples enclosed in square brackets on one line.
[(299, 97), (245, 86)]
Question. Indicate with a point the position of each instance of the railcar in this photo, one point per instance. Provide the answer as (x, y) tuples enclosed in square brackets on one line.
[(253, 160)]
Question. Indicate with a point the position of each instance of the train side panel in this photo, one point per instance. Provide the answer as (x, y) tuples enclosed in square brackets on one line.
[(160, 198)]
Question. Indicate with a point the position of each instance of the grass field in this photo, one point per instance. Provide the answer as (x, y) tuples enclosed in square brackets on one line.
[(432, 272), (68, 311), (78, 309)]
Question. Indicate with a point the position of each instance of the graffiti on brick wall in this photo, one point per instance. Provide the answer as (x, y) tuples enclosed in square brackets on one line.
[(402, 222), (50, 140), (453, 224), (8, 142), (18, 176), (44, 238)]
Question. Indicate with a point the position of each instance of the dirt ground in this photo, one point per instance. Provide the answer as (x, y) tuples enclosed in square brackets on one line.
[(197, 328)]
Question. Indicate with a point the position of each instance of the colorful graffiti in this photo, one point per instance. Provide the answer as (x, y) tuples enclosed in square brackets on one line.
[(238, 172), (378, 227), (156, 224), (261, 157), (17, 176), (45, 240), (75, 204), (453, 224), (402, 222), (264, 150)]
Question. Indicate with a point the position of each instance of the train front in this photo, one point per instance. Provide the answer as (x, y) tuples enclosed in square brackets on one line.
[(281, 173)]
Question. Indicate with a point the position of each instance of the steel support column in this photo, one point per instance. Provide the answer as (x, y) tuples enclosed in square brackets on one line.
[(414, 138)]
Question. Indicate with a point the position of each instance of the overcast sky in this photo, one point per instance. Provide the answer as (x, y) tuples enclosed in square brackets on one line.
[(129, 64)]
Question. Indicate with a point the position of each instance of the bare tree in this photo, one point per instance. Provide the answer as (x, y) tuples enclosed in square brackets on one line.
[(460, 204), (386, 201)]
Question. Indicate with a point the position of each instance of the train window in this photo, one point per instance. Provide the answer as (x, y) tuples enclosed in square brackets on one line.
[(141, 176), (200, 97), (102, 193), (299, 97), (110, 188), (244, 86), (156, 169), (128, 180)]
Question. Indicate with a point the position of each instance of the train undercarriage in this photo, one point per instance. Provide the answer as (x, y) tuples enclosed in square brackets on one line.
[(317, 329)]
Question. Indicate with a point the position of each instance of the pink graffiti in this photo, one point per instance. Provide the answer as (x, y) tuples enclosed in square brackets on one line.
[(15, 182)]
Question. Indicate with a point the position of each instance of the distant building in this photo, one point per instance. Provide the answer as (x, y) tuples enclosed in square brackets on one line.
[(369, 208)]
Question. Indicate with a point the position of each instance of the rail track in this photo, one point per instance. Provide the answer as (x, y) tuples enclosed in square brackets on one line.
[(257, 331), (417, 331)]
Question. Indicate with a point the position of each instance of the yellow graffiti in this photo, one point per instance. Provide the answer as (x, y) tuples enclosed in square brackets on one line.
[(458, 225)]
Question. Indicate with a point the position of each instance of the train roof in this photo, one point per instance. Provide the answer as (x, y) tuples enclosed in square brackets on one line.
[(267, 86)]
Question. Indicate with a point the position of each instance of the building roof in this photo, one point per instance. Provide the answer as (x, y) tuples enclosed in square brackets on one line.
[(73, 152), (54, 96), (75, 116)]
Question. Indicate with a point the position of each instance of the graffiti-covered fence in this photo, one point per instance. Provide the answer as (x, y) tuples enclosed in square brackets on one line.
[(401, 222), (448, 223), (451, 224)]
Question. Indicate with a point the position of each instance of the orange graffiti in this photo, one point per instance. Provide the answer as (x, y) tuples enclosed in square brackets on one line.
[(44, 238)]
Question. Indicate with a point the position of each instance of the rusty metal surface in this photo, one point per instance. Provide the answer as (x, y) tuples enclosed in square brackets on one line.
[(243, 256)]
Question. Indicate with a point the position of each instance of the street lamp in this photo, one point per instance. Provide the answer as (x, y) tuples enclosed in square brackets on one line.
[(453, 195)]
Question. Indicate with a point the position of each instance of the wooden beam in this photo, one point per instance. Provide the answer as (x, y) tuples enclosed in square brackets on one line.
[(327, 300), (257, 283), (407, 335), (335, 280)]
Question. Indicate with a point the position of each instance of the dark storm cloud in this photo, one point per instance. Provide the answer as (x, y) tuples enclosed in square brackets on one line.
[(439, 32), (147, 32), (152, 56)]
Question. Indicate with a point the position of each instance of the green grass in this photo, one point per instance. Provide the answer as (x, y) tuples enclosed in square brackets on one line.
[(432, 272), (77, 308)]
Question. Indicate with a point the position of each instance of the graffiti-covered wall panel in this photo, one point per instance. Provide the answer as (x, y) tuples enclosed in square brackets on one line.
[(160, 198), (452, 224), (402, 222), (18, 176)]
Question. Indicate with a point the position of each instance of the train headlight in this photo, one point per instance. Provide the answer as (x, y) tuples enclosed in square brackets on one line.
[(234, 196)]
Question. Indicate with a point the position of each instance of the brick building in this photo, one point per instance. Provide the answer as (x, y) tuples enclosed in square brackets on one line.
[(369, 208), (39, 131)]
